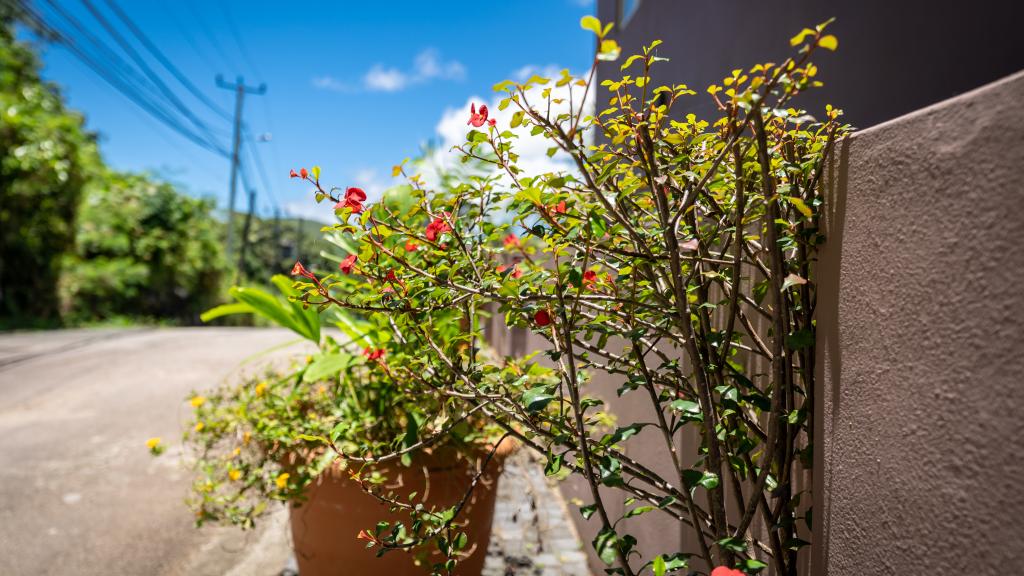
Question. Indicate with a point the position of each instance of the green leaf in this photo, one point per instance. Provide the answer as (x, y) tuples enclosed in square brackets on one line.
[(326, 366), (736, 545), (752, 565), (803, 338), (535, 399), (593, 24), (606, 544), (226, 310), (588, 511), (800, 205)]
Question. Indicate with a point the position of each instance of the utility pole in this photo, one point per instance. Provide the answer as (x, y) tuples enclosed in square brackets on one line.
[(240, 90), (277, 256), (245, 235)]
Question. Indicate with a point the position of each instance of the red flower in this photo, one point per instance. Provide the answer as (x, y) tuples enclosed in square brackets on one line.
[(303, 173), (300, 270), (492, 122), (723, 571), (516, 272), (354, 198), (438, 226), (372, 354), (511, 241), (559, 208), (589, 277), (348, 263), (477, 120), (411, 246), (391, 276), (542, 318), (364, 535), (293, 174), (387, 290)]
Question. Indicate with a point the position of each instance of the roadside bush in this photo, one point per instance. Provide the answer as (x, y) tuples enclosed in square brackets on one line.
[(46, 157), (142, 250)]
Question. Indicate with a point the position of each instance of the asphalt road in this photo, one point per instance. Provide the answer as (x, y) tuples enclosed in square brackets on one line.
[(79, 492)]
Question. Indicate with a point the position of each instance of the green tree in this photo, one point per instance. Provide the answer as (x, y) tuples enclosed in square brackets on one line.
[(45, 160), (142, 250)]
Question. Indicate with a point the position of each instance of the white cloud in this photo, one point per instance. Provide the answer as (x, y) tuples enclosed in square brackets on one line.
[(451, 129), (371, 182), (384, 79), (307, 209), (427, 65), (331, 83)]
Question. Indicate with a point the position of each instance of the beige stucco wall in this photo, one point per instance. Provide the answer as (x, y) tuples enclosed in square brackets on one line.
[(921, 340)]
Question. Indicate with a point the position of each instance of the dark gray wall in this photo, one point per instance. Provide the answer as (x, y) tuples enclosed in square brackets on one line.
[(894, 56), (921, 344)]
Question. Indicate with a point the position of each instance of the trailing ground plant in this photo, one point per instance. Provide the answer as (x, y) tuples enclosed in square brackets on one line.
[(675, 254)]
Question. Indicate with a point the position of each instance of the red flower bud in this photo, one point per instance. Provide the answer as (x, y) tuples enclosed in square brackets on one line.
[(293, 174), (303, 173), (542, 318), (511, 240), (372, 354), (411, 246), (299, 270), (589, 277), (348, 263)]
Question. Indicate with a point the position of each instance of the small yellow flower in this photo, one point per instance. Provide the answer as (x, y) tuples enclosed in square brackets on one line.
[(321, 389), (234, 474), (246, 437), (199, 426), (261, 388), (282, 480), (236, 452), (197, 401), (153, 442)]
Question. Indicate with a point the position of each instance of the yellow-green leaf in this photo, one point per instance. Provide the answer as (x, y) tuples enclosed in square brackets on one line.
[(592, 24), (800, 205), (610, 50), (829, 42), (800, 37)]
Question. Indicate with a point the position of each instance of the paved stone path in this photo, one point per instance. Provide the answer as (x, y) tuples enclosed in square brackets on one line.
[(79, 494), (532, 534)]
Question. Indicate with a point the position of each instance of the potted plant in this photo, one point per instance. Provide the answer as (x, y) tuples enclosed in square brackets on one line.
[(347, 440)]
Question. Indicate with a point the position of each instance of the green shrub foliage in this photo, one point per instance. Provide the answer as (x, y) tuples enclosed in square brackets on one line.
[(676, 256)]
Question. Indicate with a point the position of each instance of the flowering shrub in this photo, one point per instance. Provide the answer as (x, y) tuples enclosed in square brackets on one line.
[(677, 254)]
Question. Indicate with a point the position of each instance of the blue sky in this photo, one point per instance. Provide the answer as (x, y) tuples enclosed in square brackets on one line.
[(352, 86)]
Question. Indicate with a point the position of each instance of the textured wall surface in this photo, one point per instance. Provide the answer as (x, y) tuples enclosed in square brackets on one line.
[(921, 336)]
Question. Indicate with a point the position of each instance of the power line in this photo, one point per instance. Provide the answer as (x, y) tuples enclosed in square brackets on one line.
[(149, 73), (155, 51), (117, 77)]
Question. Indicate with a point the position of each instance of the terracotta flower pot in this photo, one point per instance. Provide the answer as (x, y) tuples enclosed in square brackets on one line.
[(325, 525)]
